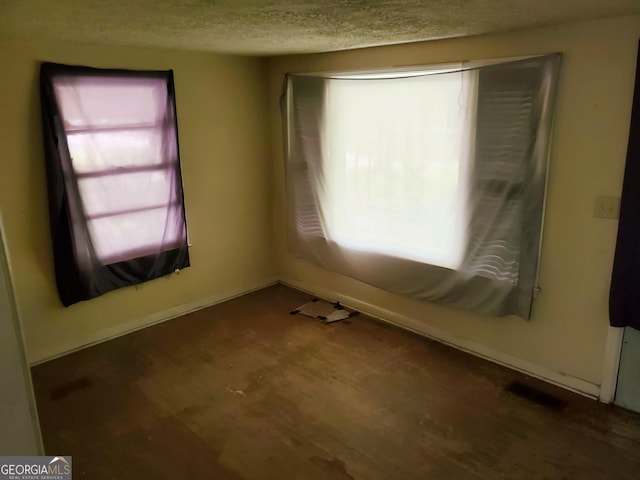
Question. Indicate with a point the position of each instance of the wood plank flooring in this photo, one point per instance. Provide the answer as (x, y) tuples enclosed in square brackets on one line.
[(243, 390)]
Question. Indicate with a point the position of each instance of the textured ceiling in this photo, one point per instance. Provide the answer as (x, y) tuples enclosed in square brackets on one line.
[(272, 27)]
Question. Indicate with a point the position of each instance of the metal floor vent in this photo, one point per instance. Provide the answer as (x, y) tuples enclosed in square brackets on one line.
[(536, 396)]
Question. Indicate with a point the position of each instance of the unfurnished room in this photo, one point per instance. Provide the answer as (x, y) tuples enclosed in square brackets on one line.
[(362, 240)]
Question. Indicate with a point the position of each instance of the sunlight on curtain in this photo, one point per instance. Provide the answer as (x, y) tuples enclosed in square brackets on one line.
[(116, 131), (430, 186), (396, 164)]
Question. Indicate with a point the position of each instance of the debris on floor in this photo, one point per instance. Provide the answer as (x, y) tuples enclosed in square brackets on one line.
[(324, 311)]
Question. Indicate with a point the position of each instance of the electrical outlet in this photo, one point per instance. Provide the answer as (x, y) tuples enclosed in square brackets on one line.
[(607, 207)]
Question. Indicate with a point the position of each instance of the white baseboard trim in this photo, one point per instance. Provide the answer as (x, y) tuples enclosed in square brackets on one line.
[(583, 387), (568, 382), (149, 320), (612, 351)]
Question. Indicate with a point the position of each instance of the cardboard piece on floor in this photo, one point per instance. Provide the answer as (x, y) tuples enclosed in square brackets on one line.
[(324, 311)]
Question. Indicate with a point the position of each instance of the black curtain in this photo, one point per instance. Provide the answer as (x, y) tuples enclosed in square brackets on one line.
[(80, 273), (624, 297)]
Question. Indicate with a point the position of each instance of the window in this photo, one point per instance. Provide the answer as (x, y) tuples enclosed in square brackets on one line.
[(397, 163), (112, 156), (115, 133), (425, 183)]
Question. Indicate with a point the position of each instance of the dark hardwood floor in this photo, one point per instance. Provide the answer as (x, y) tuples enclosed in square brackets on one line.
[(243, 390)]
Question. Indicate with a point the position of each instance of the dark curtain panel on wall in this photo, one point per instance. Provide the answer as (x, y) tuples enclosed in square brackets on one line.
[(624, 298), (116, 205)]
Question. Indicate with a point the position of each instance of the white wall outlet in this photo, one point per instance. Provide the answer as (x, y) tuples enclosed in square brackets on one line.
[(607, 207)]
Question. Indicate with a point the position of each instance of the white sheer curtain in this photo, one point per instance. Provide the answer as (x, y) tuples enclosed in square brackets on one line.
[(431, 186), (398, 155)]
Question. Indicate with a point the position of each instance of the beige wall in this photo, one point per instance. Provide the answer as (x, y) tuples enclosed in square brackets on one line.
[(226, 164), (225, 131), (567, 334)]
